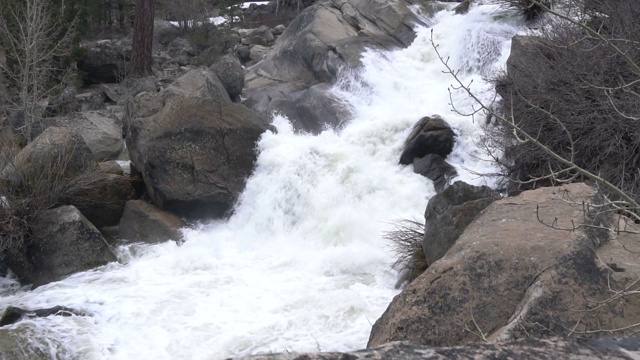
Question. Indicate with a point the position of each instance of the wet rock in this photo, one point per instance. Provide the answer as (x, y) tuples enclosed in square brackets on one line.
[(430, 135), (436, 169), (144, 222), (12, 314), (260, 36)]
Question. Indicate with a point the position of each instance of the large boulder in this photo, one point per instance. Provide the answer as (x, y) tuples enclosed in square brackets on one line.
[(231, 75), (195, 154), (63, 242), (624, 348), (448, 214), (529, 266), (143, 222), (430, 135), (100, 130)]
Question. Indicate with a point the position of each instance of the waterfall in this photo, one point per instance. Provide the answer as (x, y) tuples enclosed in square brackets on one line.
[(301, 265)]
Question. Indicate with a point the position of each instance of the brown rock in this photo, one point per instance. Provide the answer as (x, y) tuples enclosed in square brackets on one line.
[(509, 276)]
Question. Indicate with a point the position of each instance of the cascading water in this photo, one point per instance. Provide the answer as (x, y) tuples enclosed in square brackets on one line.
[(301, 265)]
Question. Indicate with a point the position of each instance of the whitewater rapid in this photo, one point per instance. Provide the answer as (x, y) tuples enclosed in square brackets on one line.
[(302, 264)]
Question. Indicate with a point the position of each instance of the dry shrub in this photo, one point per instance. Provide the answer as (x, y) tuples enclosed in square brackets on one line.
[(580, 97), (406, 241)]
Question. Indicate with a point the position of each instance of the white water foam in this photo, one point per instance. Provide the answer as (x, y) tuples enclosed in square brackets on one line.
[(301, 265)]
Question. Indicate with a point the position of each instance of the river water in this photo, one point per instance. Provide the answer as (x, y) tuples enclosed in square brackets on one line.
[(302, 264)]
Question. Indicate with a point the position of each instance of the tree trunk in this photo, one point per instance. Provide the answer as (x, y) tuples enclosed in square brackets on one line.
[(142, 38)]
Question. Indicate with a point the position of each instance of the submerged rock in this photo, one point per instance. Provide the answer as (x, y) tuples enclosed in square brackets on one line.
[(12, 314)]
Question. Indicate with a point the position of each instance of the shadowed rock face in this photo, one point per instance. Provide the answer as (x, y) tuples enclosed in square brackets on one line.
[(599, 349), (430, 135), (509, 276)]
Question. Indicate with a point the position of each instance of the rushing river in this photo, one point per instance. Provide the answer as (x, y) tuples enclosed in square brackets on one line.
[(302, 265)]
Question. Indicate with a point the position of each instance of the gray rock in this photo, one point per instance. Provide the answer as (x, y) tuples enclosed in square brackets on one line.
[(231, 75), (244, 53), (63, 243), (111, 167), (181, 47), (12, 314), (278, 30), (195, 154), (430, 135), (260, 36), (624, 348), (144, 222), (448, 214), (302, 51), (164, 32), (435, 168), (200, 83), (100, 130), (90, 100)]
